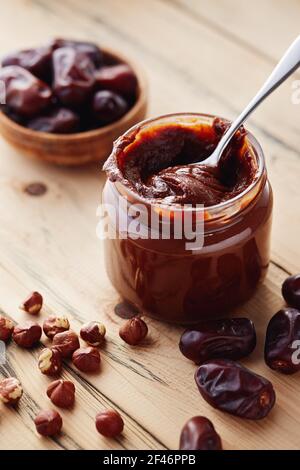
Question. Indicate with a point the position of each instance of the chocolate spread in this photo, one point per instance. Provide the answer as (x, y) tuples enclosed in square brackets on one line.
[(158, 163)]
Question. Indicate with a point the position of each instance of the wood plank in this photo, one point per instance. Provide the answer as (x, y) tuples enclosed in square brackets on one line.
[(264, 26)]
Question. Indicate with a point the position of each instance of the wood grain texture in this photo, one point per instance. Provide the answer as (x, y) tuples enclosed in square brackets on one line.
[(198, 57)]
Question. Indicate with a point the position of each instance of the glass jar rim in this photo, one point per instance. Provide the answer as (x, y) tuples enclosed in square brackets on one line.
[(211, 210)]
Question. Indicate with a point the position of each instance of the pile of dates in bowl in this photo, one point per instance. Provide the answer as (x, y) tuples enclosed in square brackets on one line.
[(66, 87)]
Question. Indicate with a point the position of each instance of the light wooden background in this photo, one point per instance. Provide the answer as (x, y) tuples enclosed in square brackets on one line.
[(206, 56)]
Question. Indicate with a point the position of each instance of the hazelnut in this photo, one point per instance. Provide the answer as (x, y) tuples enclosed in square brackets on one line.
[(6, 328), (50, 361), (93, 333), (62, 393), (66, 342), (48, 423), (27, 334), (109, 423), (133, 331), (33, 303), (53, 325), (10, 391), (87, 359)]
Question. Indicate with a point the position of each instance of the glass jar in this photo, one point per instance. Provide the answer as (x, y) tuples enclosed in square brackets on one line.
[(173, 283)]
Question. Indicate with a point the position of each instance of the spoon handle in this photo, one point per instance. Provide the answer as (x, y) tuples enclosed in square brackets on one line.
[(285, 67)]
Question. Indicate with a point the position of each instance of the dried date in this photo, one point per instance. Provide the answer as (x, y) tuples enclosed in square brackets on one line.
[(108, 107), (36, 60), (73, 79), (25, 94), (199, 434), (230, 387), (59, 121), (228, 338), (283, 340), (118, 78), (88, 48), (291, 290)]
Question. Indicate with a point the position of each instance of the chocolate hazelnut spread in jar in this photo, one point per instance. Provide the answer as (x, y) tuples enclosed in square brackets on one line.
[(186, 241)]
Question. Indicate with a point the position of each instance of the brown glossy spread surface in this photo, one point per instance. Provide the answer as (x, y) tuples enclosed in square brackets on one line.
[(158, 163)]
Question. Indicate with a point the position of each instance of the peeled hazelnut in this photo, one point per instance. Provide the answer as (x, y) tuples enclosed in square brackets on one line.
[(48, 423), (66, 342), (62, 393), (27, 334), (33, 303), (6, 328), (133, 331), (87, 359), (10, 391), (93, 333), (53, 325), (109, 423), (50, 362)]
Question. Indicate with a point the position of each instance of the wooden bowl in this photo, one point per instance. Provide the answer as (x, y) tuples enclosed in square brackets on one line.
[(82, 147)]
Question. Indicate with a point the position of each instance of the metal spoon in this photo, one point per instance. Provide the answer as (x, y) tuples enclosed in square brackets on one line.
[(285, 67)]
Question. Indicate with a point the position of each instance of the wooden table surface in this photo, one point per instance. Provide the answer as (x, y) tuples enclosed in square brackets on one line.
[(199, 56)]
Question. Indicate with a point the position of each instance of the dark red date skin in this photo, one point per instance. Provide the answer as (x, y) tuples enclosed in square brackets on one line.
[(25, 94), (228, 386), (59, 121), (54, 88), (291, 291), (230, 338), (13, 115), (108, 107), (199, 434), (118, 78), (73, 79), (88, 48), (36, 60), (283, 329)]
